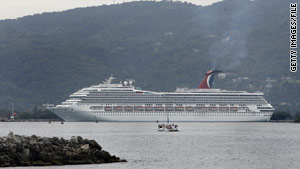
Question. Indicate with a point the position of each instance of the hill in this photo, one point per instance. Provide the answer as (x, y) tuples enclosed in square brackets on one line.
[(161, 45)]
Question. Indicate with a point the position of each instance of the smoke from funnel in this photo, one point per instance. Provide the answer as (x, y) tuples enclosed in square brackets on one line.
[(229, 47)]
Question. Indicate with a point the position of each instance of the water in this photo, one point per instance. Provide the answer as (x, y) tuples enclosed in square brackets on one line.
[(197, 145)]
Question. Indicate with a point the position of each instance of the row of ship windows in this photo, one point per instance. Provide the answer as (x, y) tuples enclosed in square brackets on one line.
[(166, 102), (168, 110), (255, 98), (169, 98), (178, 106), (182, 109), (167, 105), (174, 98), (264, 108), (182, 114), (182, 104), (164, 95)]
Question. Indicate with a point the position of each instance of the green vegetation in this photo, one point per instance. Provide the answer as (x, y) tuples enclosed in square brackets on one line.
[(297, 117), (162, 45), (286, 115), (281, 115)]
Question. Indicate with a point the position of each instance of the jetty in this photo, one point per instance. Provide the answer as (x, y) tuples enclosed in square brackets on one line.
[(17, 150)]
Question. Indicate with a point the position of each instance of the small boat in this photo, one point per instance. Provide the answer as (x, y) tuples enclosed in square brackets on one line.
[(172, 127), (168, 127), (161, 127)]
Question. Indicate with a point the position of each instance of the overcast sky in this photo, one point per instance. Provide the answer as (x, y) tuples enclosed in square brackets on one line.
[(10, 9)]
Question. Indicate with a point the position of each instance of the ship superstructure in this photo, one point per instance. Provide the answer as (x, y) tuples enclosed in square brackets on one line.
[(123, 102)]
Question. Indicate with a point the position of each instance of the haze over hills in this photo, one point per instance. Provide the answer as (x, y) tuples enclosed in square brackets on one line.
[(161, 45), (12, 9)]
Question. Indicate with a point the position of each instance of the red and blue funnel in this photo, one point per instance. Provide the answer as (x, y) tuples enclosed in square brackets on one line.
[(209, 78)]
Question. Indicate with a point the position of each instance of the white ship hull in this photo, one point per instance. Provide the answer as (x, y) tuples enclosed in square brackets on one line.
[(81, 115)]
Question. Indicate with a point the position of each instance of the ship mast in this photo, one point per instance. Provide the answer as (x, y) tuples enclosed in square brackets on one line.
[(108, 81), (12, 111), (168, 117)]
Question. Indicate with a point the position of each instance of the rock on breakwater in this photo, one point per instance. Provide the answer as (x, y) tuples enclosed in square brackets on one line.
[(297, 120), (16, 150)]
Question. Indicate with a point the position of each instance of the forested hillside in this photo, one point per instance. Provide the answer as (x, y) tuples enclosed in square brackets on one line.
[(162, 45)]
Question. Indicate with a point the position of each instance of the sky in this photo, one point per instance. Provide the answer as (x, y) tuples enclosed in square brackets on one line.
[(11, 9)]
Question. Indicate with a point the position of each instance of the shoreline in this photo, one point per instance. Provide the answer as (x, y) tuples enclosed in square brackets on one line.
[(30, 120)]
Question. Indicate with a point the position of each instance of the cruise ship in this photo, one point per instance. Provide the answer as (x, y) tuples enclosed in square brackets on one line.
[(123, 101)]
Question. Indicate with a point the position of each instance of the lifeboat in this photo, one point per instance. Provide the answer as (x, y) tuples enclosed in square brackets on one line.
[(159, 108), (128, 108), (201, 108), (138, 108), (223, 108), (148, 108), (212, 108), (189, 108), (179, 108), (96, 107), (118, 108), (169, 108), (107, 108), (233, 109)]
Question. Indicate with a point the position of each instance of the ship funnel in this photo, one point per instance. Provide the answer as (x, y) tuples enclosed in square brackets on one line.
[(208, 80)]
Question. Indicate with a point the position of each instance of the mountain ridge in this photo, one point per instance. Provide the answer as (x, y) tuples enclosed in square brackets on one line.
[(46, 57)]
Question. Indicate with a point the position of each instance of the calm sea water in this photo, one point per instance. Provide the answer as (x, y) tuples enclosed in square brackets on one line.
[(197, 145)]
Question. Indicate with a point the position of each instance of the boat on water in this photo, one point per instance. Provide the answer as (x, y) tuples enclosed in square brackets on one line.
[(123, 101), (172, 127), (168, 127)]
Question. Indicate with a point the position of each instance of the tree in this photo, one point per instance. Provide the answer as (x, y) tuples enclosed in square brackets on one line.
[(281, 115), (297, 115)]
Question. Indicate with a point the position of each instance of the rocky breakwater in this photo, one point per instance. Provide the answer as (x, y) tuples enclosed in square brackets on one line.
[(297, 120), (16, 150)]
